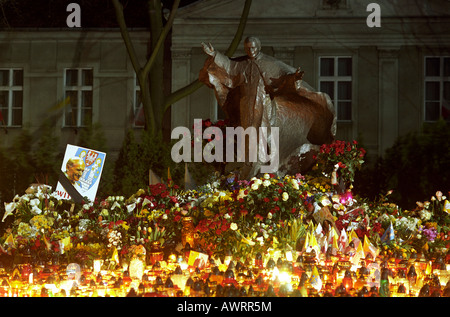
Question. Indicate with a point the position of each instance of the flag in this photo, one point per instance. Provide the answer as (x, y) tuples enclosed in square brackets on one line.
[(315, 280), (313, 244), (343, 240), (333, 239), (189, 182), (306, 245), (64, 244), (10, 241), (318, 230), (47, 244), (369, 247), (388, 235), (332, 234), (169, 178), (447, 206), (115, 256), (352, 236), (358, 255), (429, 268), (153, 178)]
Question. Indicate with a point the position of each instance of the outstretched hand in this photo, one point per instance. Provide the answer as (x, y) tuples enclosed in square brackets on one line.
[(299, 74), (208, 49)]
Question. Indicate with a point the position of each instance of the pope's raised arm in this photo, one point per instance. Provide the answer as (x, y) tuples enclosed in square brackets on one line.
[(209, 49)]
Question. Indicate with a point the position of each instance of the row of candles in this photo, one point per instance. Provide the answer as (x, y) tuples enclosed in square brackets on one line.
[(272, 275)]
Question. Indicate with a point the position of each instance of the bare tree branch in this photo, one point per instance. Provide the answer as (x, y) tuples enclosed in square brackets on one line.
[(118, 8), (162, 37), (196, 84)]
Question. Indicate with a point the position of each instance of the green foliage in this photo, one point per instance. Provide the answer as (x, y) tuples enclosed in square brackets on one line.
[(93, 137), (21, 162), (415, 167), (128, 166), (137, 157), (47, 156)]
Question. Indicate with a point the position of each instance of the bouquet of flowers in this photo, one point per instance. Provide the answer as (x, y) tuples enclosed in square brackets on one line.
[(340, 160)]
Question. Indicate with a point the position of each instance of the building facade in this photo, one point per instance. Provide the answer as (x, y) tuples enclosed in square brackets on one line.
[(70, 77), (385, 80)]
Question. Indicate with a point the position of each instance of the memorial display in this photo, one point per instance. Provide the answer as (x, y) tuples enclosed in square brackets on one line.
[(281, 215), (266, 236)]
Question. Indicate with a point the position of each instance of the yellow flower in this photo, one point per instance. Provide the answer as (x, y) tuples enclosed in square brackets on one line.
[(447, 206), (125, 226)]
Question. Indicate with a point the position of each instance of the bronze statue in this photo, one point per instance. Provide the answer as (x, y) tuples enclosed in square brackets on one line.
[(257, 90)]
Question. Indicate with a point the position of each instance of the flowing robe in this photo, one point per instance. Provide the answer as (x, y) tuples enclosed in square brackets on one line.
[(265, 92)]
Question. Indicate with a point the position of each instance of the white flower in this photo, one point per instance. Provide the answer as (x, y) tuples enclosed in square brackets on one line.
[(164, 217), (115, 205), (34, 202), (325, 201), (36, 210), (233, 226), (255, 186), (285, 196), (266, 183), (294, 184), (9, 208), (266, 176), (131, 207), (241, 194)]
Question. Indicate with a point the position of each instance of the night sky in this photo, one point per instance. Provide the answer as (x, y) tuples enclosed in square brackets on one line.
[(53, 13)]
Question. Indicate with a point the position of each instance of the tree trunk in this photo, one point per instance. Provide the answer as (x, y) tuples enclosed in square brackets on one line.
[(151, 76)]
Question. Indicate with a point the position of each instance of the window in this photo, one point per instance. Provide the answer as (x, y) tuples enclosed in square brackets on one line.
[(437, 88), (11, 97), (138, 109), (335, 79), (78, 87)]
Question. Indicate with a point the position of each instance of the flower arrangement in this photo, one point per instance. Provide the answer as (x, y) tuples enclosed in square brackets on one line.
[(207, 144), (263, 215), (340, 158)]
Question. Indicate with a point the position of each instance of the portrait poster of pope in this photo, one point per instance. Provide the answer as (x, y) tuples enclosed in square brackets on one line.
[(80, 173)]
